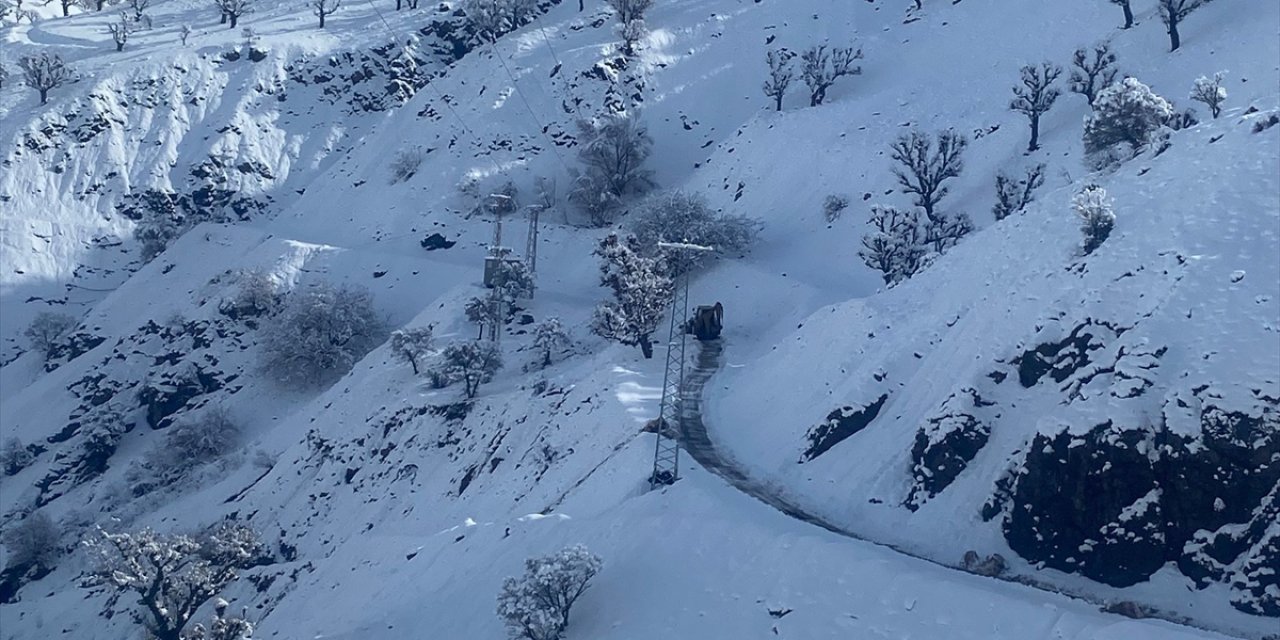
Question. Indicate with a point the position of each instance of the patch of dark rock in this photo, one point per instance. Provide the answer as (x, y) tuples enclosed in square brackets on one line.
[(839, 425)]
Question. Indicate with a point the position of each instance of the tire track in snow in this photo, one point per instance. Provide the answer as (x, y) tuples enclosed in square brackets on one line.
[(697, 443)]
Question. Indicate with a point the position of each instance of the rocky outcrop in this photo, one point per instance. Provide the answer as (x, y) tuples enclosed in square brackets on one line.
[(840, 424), (1118, 503), (946, 444)]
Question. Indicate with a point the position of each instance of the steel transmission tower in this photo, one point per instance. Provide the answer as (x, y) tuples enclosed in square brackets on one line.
[(666, 455)]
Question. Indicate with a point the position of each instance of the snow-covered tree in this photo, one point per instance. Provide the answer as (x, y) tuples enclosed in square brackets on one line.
[(257, 294), (681, 216), (1172, 13), (472, 362), (15, 456), (139, 11), (630, 10), (34, 544), (233, 10), (172, 575), (925, 169), (320, 334), (47, 330), (1211, 92), (484, 312), (411, 345), (821, 67), (641, 292), (44, 72), (549, 337), (1089, 74), (324, 8), (896, 245), (1036, 96), (406, 162), (1128, 12), (183, 33), (512, 281), (613, 151), (1127, 112), (120, 31), (536, 605), (780, 75), (631, 33), (1014, 194), (192, 443), (492, 18), (1096, 217)]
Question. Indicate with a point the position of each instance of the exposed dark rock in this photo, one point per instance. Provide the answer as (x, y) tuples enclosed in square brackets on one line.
[(1059, 359), (70, 348), (1116, 504), (840, 424), (436, 241), (946, 445)]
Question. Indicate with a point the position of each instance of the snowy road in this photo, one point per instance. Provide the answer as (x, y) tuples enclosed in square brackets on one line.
[(697, 442)]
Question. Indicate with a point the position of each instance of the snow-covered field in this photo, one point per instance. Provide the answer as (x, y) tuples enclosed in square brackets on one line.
[(405, 508)]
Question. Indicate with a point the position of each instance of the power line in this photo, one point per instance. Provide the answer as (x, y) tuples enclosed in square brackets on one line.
[(516, 85)]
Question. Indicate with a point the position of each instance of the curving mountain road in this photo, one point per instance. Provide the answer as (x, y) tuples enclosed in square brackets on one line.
[(698, 444)]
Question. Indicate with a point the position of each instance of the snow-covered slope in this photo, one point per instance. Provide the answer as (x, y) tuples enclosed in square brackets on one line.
[(396, 509)]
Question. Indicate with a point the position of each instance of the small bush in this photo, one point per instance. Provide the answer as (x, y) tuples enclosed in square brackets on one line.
[(15, 456), (834, 205), (320, 334), (1096, 217), (406, 162), (34, 543), (47, 329), (536, 605)]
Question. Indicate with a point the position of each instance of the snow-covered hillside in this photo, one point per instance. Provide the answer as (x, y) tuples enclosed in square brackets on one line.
[(1108, 423)]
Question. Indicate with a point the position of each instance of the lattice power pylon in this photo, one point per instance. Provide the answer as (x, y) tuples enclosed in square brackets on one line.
[(666, 455)]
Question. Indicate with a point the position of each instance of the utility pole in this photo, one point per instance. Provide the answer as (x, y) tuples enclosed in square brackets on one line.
[(531, 246), (666, 455)]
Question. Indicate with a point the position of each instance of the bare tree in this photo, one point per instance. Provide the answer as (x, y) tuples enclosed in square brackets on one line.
[(924, 169), (780, 75), (1172, 13), (120, 31), (233, 10), (895, 247), (324, 8), (65, 4), (34, 543), (1090, 74), (629, 10), (822, 67), (1211, 92), (184, 33), (47, 330), (1036, 96), (1014, 194), (1128, 12), (139, 8), (632, 33)]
